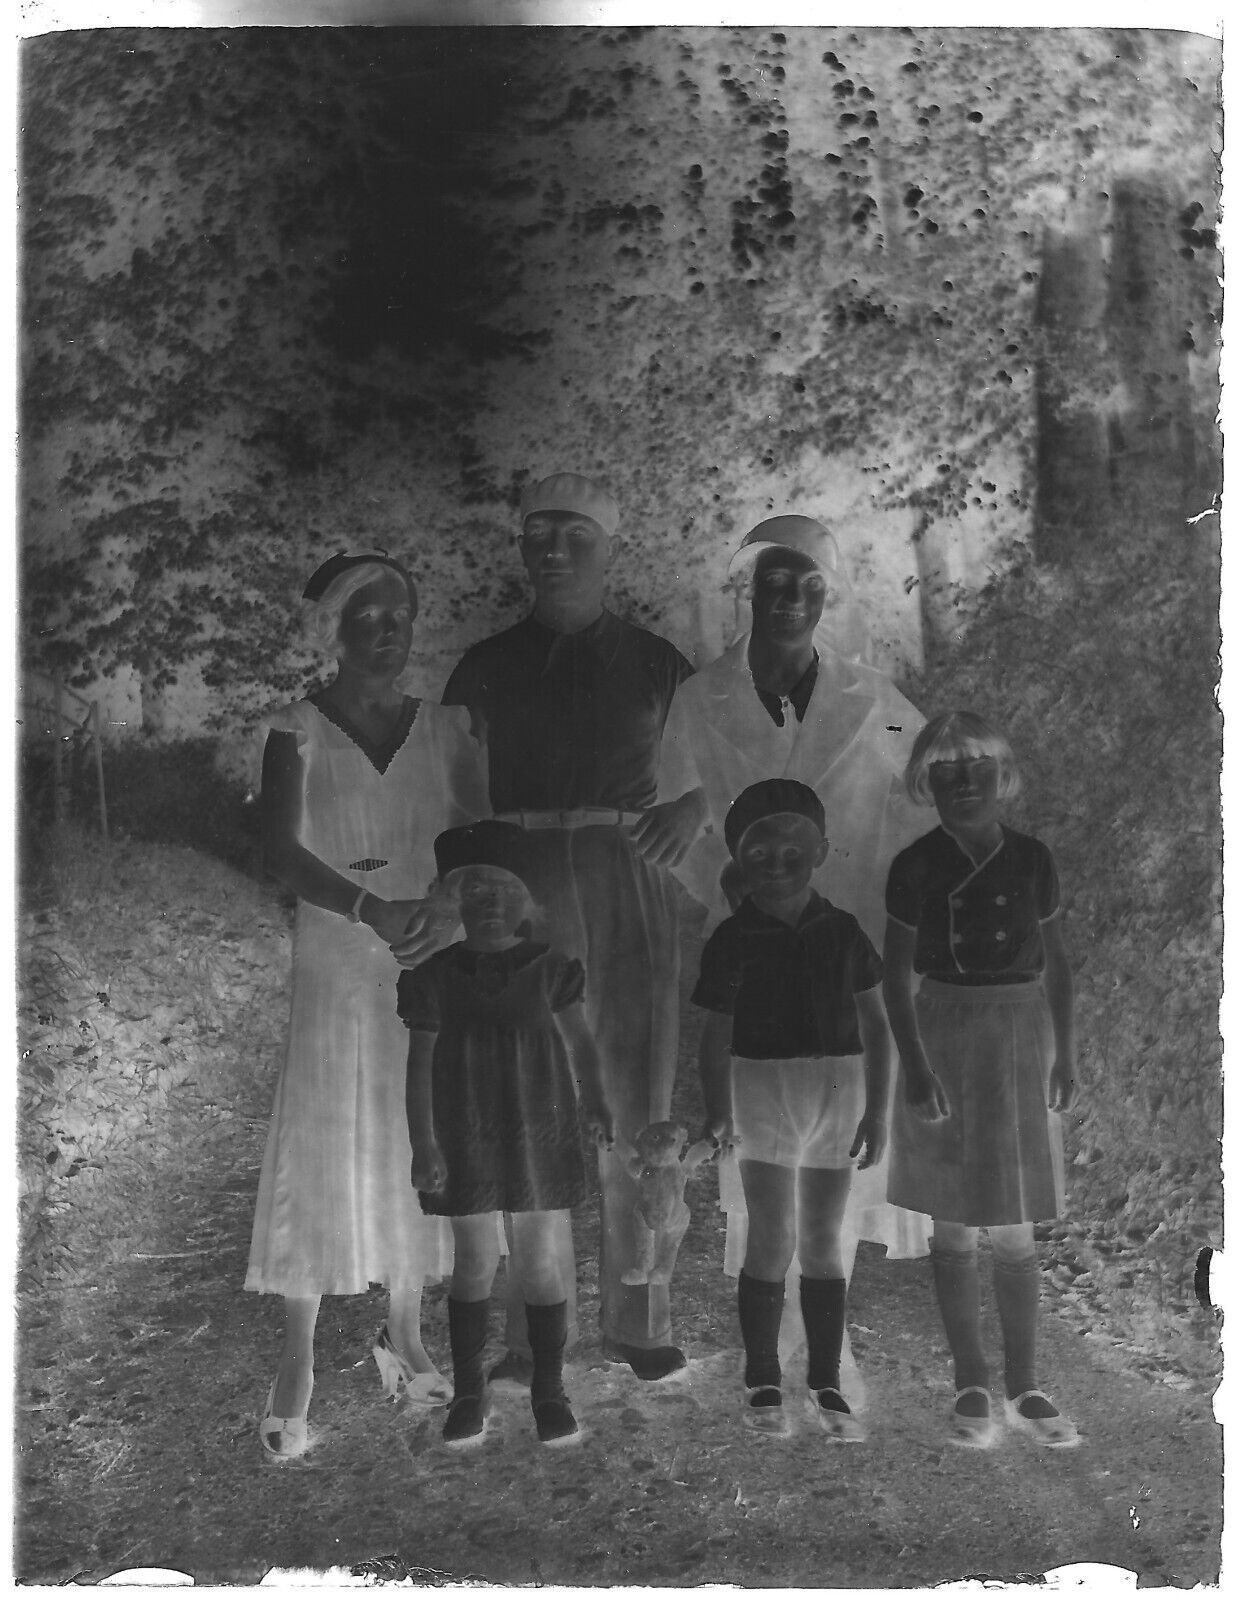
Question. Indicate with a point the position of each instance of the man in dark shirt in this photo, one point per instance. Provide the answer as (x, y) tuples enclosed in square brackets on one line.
[(571, 703)]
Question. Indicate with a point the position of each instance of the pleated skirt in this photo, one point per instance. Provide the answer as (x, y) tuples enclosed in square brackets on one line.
[(997, 1158)]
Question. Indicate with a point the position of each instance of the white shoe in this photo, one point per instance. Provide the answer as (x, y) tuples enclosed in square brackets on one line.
[(284, 1437)]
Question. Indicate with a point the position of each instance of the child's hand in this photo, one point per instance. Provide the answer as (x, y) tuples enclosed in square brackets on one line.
[(598, 1123), (870, 1137), (429, 1168), (925, 1095), (1063, 1084)]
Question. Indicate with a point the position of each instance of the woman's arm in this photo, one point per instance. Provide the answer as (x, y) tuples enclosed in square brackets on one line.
[(875, 1036), (429, 1169), (1060, 994), (923, 1090), (582, 1054), (299, 869), (714, 1065)]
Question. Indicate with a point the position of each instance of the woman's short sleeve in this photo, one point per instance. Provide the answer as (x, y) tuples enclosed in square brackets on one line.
[(904, 894), (462, 763), (417, 998), (291, 718), (1048, 892), (568, 985)]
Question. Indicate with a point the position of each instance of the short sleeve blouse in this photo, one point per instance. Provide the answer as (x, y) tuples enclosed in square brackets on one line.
[(975, 924)]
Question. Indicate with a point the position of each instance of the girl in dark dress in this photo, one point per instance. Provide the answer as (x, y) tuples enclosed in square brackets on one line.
[(987, 1058), (499, 1049)]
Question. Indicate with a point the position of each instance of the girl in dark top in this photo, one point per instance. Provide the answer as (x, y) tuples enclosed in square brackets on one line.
[(794, 1060), (987, 1058), (498, 1043)]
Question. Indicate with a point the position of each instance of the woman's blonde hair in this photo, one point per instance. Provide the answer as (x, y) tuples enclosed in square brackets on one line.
[(320, 619), (953, 736)]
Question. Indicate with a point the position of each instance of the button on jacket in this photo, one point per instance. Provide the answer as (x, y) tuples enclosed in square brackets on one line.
[(975, 924)]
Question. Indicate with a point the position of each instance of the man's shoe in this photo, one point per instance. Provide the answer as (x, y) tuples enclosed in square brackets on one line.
[(650, 1365)]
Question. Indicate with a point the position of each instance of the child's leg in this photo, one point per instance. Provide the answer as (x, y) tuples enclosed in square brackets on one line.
[(769, 1193), (468, 1313), (536, 1255), (1016, 1285), (957, 1282), (294, 1376), (821, 1201)]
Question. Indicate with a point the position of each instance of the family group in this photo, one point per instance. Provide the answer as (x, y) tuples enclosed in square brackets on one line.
[(865, 977)]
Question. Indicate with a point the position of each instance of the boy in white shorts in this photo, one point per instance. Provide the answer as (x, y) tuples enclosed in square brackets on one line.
[(795, 1067)]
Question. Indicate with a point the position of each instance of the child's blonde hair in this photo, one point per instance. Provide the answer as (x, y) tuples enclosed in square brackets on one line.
[(952, 736)]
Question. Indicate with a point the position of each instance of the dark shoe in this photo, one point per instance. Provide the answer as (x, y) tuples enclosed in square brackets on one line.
[(555, 1423), (833, 1416), (512, 1368), (1043, 1421), (763, 1411), (973, 1430), (650, 1365), (466, 1421)]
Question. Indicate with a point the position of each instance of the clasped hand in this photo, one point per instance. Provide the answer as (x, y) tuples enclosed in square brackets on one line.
[(416, 929)]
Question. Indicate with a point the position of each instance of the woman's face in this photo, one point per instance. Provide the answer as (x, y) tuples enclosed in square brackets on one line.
[(789, 593), (376, 628)]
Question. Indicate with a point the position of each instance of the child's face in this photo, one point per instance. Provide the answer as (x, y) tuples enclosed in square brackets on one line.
[(778, 856), (964, 791), (493, 902)]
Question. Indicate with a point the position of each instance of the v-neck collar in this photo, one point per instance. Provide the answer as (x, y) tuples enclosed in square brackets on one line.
[(379, 753)]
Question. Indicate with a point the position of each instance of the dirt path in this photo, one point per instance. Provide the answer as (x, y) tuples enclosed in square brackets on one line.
[(140, 1386), (140, 1391)]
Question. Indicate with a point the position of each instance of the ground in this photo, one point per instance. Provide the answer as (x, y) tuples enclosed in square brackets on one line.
[(143, 1369)]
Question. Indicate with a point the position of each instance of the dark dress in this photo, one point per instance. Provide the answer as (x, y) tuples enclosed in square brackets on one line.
[(504, 1101), (985, 1027)]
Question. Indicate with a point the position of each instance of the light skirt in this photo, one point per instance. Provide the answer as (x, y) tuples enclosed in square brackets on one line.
[(997, 1158), (336, 1207)]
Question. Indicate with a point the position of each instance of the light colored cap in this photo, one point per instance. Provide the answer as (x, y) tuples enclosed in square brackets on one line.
[(568, 491), (804, 534)]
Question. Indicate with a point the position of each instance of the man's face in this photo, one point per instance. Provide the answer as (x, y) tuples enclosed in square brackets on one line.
[(788, 595), (565, 554)]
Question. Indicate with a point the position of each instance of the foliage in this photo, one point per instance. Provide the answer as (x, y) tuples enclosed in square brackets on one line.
[(295, 289)]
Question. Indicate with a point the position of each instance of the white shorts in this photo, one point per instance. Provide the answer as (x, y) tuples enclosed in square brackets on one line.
[(802, 1112)]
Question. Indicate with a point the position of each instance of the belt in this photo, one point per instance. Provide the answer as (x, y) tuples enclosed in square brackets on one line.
[(580, 817)]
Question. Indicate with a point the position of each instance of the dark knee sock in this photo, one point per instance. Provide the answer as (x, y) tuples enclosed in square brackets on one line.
[(957, 1282), (467, 1324), (547, 1336), (1016, 1286), (823, 1302), (760, 1317)]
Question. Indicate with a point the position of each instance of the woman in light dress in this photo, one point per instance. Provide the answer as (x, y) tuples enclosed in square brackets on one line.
[(358, 780)]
